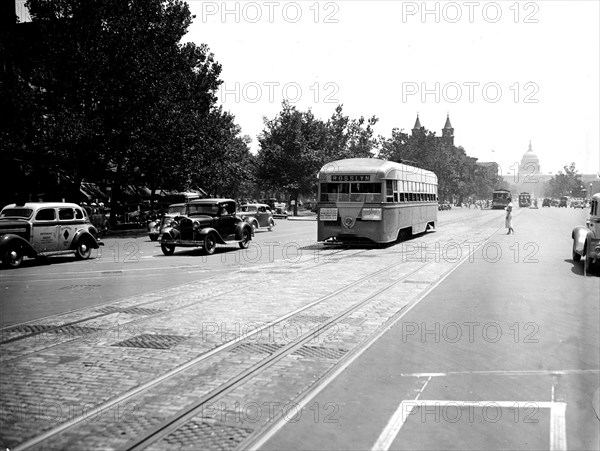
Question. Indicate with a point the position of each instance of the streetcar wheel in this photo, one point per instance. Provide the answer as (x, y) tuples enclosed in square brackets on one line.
[(246, 237), (210, 244), (13, 257), (167, 249)]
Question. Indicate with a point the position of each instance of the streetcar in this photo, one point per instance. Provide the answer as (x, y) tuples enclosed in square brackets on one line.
[(524, 200), (367, 200), (500, 199)]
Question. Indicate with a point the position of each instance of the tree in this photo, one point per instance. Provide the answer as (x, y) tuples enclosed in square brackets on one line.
[(565, 184), (291, 151), (295, 145), (116, 89)]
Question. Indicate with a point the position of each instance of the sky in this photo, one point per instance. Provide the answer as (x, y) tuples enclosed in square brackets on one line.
[(506, 72)]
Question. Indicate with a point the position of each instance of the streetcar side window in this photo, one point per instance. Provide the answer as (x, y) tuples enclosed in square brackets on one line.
[(389, 190)]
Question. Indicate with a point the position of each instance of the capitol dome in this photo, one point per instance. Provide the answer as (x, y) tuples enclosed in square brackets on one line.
[(530, 163)]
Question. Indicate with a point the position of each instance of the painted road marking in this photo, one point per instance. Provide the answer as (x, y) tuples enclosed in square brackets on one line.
[(558, 436), (504, 373)]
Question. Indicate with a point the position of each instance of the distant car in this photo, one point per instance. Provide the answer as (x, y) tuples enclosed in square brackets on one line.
[(576, 204), (554, 203), (208, 222), (546, 202), (563, 202), (156, 228), (586, 240), (43, 229), (257, 215), (279, 211)]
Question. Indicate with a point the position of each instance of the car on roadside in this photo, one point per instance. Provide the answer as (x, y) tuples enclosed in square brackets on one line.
[(157, 227), (586, 239), (207, 222), (44, 229), (546, 202), (257, 215)]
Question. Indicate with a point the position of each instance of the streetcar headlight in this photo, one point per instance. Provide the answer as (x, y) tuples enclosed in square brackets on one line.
[(371, 214)]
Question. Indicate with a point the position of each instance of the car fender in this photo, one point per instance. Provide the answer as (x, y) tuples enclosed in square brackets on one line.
[(206, 230), (239, 228), (580, 235), (9, 239), (170, 233), (81, 234)]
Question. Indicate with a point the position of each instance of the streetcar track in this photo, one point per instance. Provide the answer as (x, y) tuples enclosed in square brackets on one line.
[(336, 250), (107, 405), (244, 376), (133, 322), (186, 414)]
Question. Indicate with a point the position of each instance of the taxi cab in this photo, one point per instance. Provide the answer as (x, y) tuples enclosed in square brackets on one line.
[(586, 240), (43, 229)]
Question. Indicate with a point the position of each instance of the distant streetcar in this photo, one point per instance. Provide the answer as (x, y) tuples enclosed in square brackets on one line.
[(524, 200), (500, 199), (374, 201)]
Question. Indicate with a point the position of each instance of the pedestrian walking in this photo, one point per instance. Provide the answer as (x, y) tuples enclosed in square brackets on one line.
[(508, 221)]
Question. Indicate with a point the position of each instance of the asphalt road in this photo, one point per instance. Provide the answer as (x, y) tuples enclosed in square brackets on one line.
[(502, 354)]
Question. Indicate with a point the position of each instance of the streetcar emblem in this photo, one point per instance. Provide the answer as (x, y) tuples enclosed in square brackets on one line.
[(349, 222)]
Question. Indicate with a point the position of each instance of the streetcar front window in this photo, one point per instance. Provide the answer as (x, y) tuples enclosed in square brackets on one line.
[(353, 192)]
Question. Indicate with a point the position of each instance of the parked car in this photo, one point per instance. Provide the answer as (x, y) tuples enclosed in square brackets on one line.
[(586, 240), (157, 227), (208, 222), (546, 202), (257, 215), (42, 229)]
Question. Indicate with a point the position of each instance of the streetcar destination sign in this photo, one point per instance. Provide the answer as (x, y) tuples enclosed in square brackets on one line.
[(351, 178)]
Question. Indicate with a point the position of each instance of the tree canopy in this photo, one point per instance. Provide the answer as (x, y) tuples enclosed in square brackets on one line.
[(295, 145), (568, 183), (108, 89)]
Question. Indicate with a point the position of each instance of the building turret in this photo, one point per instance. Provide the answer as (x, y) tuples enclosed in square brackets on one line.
[(418, 128), (447, 137)]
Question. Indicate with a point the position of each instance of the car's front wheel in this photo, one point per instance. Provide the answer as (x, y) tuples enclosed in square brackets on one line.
[(271, 224), (13, 257), (167, 249), (246, 237), (153, 237), (210, 244), (84, 249), (576, 256)]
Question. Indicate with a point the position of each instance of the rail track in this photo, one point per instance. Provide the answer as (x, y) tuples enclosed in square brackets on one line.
[(341, 308)]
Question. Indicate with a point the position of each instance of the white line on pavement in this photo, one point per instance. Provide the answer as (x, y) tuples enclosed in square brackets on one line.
[(558, 438)]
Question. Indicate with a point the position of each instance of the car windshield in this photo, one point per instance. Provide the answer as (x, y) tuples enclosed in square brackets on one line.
[(16, 213), (178, 210), (203, 209), (248, 208)]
